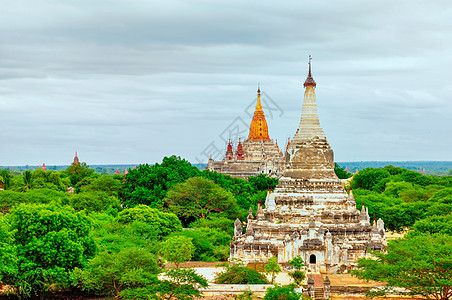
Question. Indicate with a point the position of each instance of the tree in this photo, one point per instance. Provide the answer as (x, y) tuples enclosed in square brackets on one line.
[(77, 172), (149, 184), (272, 268), (237, 273), (49, 180), (297, 275), (177, 249), (369, 178), (163, 223), (95, 201), (421, 264), (6, 178), (129, 274), (104, 183), (282, 293), (200, 197), (340, 172), (262, 183), (8, 256), (181, 283), (211, 244), (49, 241), (434, 224)]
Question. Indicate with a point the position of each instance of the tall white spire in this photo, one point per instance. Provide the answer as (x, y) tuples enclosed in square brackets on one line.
[(309, 123)]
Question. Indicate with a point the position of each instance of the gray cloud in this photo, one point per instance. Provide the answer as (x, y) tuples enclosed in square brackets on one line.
[(133, 81)]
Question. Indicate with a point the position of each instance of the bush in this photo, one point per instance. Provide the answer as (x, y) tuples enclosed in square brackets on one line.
[(239, 274), (298, 276), (282, 293)]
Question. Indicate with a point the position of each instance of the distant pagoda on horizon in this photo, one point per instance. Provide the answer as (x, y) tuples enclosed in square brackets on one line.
[(309, 214), (258, 154)]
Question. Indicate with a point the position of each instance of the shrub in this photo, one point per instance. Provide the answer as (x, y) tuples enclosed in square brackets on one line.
[(282, 293), (239, 274), (298, 276)]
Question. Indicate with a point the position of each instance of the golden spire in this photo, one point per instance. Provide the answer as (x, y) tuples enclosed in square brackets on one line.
[(258, 127)]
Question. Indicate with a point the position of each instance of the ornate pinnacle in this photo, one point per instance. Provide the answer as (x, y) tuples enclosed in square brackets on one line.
[(310, 81)]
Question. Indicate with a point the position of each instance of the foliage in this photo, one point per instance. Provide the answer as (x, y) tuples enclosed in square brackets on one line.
[(104, 183), (49, 180), (369, 178), (340, 172), (402, 203), (177, 249), (421, 264), (298, 275), (162, 223), (6, 178), (262, 183), (238, 274), (10, 198), (181, 283), (49, 241), (434, 224), (282, 293), (215, 222), (129, 274), (240, 188), (297, 263), (198, 197), (246, 295), (149, 184), (113, 237), (8, 256), (95, 201), (210, 244), (272, 268), (78, 172)]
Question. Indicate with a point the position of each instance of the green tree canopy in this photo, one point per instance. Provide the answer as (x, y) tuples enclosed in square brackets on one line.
[(421, 264), (49, 241), (177, 249), (129, 274), (95, 201), (149, 184), (6, 178), (340, 172), (163, 223), (78, 172), (200, 197), (369, 178), (103, 183), (181, 283), (262, 183)]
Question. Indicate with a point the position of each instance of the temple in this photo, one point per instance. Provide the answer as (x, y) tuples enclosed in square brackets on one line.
[(309, 214), (258, 154)]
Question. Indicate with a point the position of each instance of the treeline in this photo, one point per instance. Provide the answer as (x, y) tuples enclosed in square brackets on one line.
[(420, 263), (80, 230), (405, 199)]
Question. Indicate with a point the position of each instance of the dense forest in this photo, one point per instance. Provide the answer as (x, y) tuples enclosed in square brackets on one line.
[(81, 230)]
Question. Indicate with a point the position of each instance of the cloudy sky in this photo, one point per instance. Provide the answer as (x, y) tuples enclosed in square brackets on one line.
[(133, 81)]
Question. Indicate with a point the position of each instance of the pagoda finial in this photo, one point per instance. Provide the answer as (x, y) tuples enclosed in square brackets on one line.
[(309, 80), (258, 127)]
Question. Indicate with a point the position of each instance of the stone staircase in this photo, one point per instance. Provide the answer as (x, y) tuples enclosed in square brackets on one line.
[(319, 293), (317, 281)]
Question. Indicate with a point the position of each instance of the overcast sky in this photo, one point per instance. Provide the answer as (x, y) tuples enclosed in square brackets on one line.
[(134, 81)]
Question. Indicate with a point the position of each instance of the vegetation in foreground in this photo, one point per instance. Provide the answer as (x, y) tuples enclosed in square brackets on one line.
[(91, 239)]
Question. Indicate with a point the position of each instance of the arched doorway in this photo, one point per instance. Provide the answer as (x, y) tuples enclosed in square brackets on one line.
[(312, 259)]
